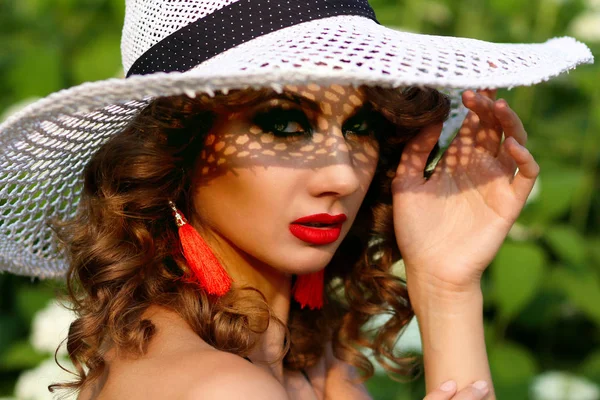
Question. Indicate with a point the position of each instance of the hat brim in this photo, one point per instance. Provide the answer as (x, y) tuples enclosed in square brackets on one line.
[(46, 145)]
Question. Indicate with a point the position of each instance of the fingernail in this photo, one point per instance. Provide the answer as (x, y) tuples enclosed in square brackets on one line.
[(449, 386), (481, 385)]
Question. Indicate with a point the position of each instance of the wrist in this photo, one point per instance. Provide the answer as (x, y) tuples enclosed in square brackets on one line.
[(444, 300), (453, 339), (443, 281)]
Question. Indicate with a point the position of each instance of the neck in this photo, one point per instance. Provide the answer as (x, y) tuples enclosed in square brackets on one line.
[(247, 271)]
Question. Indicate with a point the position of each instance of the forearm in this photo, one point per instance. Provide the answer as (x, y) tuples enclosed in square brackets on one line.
[(453, 341)]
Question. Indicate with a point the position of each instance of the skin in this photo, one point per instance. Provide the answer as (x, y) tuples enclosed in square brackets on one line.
[(250, 181), (277, 182), (472, 201)]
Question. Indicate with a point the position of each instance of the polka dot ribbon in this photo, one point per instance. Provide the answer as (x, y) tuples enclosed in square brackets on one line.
[(235, 24)]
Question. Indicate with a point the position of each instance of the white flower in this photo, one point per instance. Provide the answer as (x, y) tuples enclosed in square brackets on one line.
[(436, 12), (410, 340), (557, 385), (560, 2), (593, 4), (587, 26), (535, 191), (50, 326), (399, 269), (33, 384), (520, 232), (379, 370)]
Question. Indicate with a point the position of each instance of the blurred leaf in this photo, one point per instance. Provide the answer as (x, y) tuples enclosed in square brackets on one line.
[(489, 332), (518, 390), (568, 244), (594, 248), (31, 299), (472, 20), (390, 15), (582, 287), (20, 355), (85, 61), (36, 72), (557, 188), (558, 134), (542, 310), (31, 9), (381, 387), (506, 7), (590, 368), (67, 6), (118, 9), (9, 329), (512, 368), (586, 79), (517, 272)]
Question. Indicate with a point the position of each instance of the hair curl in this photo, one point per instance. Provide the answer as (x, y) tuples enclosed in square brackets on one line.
[(125, 256)]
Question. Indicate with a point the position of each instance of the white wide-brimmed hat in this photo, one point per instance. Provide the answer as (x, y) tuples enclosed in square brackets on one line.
[(196, 46)]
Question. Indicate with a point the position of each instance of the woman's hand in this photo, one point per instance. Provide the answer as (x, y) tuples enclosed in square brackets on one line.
[(447, 391), (450, 227)]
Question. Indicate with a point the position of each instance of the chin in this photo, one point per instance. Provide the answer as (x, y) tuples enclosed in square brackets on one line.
[(304, 261)]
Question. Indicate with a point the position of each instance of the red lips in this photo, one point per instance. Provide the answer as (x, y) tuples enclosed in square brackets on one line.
[(325, 228), (321, 219)]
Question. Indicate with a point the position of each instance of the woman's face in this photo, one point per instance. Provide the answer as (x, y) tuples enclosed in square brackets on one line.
[(310, 150)]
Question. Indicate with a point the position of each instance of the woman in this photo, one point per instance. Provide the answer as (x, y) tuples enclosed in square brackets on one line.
[(232, 241), (259, 162)]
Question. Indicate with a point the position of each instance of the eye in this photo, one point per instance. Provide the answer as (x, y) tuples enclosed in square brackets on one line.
[(291, 124), (362, 128), (361, 124)]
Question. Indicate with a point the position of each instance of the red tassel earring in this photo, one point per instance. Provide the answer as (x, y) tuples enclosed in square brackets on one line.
[(206, 268), (308, 290)]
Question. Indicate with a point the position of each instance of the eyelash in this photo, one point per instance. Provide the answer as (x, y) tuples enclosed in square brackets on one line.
[(267, 120)]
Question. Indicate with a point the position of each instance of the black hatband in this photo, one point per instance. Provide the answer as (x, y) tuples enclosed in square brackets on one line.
[(235, 24)]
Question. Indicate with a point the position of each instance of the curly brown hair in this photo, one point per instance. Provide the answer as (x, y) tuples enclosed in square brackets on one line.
[(125, 254)]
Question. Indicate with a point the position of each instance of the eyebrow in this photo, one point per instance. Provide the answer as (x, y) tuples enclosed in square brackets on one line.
[(295, 98), (307, 102)]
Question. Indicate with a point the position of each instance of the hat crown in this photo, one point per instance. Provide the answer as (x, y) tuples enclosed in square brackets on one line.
[(147, 22)]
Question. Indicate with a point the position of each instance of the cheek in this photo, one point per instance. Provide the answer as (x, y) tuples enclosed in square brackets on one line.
[(236, 208), (242, 198), (250, 208), (365, 157), (237, 181)]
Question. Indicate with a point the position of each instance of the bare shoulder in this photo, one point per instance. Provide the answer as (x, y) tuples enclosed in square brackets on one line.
[(192, 375), (227, 376), (180, 365)]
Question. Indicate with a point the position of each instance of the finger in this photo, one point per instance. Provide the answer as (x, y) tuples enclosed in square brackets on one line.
[(489, 93), (507, 162), (417, 150), (510, 121), (444, 392), (528, 168), (480, 105), (475, 391), (483, 125)]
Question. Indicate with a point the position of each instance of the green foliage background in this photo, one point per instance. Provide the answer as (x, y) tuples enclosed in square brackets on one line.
[(542, 292)]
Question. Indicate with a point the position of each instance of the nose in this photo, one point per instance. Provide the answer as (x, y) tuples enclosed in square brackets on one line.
[(336, 173)]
